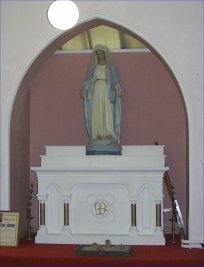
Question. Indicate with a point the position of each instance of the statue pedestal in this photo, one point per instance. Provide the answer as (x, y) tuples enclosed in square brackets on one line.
[(105, 146), (91, 199)]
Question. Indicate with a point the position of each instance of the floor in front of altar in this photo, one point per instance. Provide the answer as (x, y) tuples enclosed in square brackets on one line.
[(30, 254)]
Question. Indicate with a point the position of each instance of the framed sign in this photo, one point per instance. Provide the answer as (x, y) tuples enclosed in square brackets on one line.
[(9, 228)]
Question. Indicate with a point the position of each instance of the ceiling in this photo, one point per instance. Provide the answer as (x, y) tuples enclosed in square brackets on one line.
[(114, 39)]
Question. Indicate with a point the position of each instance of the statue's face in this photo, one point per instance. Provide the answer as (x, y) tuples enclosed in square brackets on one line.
[(100, 55)]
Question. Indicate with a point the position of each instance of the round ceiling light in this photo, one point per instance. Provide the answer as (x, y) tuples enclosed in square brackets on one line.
[(63, 14)]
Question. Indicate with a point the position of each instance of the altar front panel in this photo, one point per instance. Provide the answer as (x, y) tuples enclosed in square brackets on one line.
[(100, 209)]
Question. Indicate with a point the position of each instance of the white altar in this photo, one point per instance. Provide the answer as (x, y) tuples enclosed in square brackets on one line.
[(86, 199)]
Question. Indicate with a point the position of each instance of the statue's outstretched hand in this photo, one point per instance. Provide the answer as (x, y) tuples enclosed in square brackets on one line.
[(117, 89), (118, 93), (82, 94)]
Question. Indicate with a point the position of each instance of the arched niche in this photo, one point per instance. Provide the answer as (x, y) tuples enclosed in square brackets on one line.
[(20, 130)]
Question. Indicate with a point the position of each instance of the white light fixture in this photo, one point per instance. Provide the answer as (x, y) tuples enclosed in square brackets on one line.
[(63, 14)]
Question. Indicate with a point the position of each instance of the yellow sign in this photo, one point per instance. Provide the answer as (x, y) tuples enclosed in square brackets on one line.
[(9, 228)]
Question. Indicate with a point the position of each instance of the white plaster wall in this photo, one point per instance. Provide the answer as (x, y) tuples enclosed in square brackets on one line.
[(173, 28)]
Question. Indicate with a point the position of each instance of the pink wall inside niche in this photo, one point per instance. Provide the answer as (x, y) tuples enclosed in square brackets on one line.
[(20, 156), (152, 110)]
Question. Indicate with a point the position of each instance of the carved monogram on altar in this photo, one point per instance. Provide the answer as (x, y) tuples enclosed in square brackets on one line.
[(101, 207)]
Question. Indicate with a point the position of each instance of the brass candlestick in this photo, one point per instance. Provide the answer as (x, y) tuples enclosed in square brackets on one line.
[(29, 212)]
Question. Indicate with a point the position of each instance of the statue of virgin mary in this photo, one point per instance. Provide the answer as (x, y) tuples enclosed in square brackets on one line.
[(102, 104)]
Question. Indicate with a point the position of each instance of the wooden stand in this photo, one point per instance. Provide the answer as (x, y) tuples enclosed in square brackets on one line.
[(176, 212)]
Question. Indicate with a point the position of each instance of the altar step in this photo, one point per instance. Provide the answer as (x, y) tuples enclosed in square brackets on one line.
[(133, 157)]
